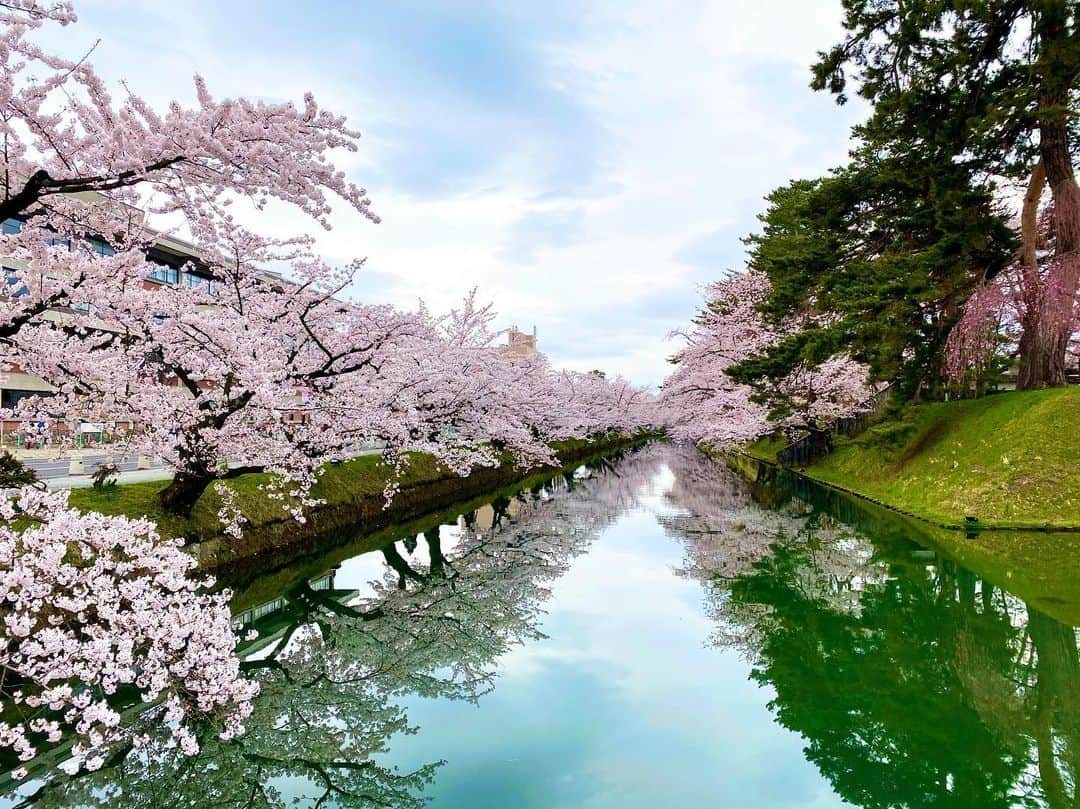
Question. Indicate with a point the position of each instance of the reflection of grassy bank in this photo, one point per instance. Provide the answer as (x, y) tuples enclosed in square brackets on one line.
[(254, 583), (1039, 567), (1036, 566), (1012, 460), (353, 494)]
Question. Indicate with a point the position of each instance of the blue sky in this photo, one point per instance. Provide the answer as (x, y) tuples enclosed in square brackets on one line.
[(587, 165)]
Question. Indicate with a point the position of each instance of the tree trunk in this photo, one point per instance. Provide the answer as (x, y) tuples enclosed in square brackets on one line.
[(400, 566), (180, 496), (1057, 666), (1042, 356), (435, 553), (1033, 368), (1052, 321)]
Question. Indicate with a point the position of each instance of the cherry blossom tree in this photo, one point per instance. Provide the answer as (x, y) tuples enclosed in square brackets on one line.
[(64, 135), (1009, 313), (463, 400), (94, 605), (702, 403), (590, 405), (457, 395), (277, 358), (154, 355), (519, 402), (240, 371)]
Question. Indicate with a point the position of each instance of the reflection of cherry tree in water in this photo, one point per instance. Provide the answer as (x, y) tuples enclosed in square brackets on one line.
[(449, 603), (726, 532), (914, 682)]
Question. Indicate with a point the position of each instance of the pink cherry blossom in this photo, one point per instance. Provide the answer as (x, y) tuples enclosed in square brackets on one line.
[(1006, 311), (105, 603), (701, 403)]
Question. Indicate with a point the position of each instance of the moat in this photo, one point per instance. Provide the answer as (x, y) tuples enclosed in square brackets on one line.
[(647, 631)]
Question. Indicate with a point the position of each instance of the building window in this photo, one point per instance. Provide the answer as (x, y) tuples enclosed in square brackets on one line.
[(14, 284), (194, 281), (12, 226), (101, 247), (269, 607), (165, 274), (10, 397)]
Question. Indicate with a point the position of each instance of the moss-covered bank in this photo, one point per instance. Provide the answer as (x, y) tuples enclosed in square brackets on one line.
[(1011, 460), (352, 493)]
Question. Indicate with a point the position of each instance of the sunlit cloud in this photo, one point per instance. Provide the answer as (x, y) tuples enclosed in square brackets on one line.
[(586, 165)]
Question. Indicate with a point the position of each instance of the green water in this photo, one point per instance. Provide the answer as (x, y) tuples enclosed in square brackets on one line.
[(654, 632)]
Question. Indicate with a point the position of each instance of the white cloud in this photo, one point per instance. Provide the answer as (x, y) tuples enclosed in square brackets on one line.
[(678, 117)]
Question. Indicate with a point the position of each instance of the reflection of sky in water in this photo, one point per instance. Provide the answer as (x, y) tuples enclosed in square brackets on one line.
[(621, 706), (939, 695), (358, 572)]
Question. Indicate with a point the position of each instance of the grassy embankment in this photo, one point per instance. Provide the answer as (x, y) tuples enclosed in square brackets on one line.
[(352, 491), (1012, 460), (359, 477)]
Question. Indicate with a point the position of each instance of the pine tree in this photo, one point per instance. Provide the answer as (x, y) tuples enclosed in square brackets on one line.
[(989, 85)]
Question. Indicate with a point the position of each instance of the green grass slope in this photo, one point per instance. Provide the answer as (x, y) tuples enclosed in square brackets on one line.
[(360, 477), (1011, 460), (359, 481)]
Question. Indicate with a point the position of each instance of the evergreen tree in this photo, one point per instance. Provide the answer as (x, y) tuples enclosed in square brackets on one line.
[(990, 86), (875, 260)]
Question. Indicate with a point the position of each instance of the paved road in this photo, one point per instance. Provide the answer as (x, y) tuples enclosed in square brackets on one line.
[(54, 471), (48, 468)]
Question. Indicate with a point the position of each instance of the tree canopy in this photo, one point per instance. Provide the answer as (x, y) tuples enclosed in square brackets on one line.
[(991, 86), (874, 260)]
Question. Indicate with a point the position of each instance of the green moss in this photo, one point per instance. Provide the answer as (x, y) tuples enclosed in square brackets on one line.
[(1011, 460), (765, 449), (131, 500), (346, 483)]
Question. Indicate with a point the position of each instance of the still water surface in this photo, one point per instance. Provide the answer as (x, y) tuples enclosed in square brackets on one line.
[(653, 632)]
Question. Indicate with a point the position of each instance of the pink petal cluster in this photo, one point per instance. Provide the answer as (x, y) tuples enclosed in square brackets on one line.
[(92, 604), (701, 403), (1010, 309)]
